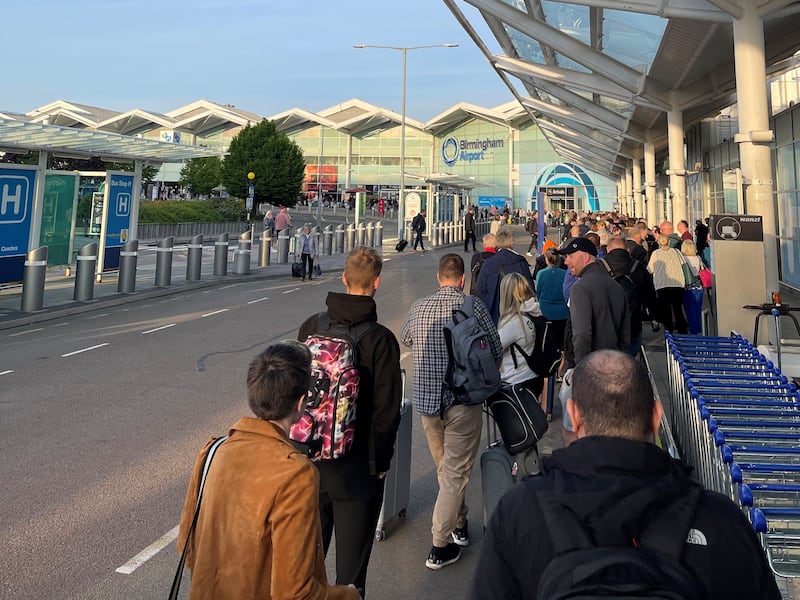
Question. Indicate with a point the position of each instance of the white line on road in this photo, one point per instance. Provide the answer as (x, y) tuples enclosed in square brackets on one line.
[(25, 332), (225, 287), (291, 290), (159, 328), (84, 350), (9, 372), (149, 552), (216, 312), (60, 324), (97, 316), (259, 300)]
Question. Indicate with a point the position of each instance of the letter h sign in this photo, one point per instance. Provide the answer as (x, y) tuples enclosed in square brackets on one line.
[(13, 199)]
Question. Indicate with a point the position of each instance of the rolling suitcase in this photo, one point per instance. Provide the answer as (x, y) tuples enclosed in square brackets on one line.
[(297, 269), (500, 470), (401, 245), (397, 484)]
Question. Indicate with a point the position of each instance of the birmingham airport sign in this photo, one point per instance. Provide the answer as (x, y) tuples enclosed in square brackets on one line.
[(454, 149)]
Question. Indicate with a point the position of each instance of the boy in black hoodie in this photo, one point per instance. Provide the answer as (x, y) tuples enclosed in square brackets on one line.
[(351, 487)]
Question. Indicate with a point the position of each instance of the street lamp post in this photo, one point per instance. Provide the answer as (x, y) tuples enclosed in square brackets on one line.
[(401, 203), (251, 192)]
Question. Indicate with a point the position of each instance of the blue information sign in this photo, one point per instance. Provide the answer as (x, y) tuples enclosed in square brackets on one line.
[(118, 220), (16, 209)]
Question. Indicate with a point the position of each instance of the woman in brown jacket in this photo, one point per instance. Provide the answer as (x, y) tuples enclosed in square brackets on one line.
[(258, 532)]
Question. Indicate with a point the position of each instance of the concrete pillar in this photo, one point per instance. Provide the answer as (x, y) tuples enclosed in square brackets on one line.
[(650, 182), (629, 208), (754, 135), (638, 205), (677, 166)]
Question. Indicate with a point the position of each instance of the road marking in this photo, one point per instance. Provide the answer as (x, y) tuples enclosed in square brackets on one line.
[(84, 350), (149, 552), (9, 372), (404, 356), (25, 332), (60, 324), (159, 328), (97, 316), (225, 287), (216, 312), (291, 290), (259, 300)]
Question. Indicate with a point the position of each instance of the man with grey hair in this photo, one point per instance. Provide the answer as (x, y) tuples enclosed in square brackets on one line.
[(504, 261), (616, 486), (476, 264)]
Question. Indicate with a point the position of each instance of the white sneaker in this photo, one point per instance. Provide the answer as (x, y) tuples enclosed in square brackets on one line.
[(529, 254)]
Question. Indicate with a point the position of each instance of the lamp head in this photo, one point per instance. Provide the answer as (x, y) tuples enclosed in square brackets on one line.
[(251, 176)]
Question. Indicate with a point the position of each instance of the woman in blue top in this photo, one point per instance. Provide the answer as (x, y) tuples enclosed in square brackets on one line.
[(549, 288)]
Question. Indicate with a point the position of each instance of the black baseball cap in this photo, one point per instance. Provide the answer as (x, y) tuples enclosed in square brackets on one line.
[(577, 244)]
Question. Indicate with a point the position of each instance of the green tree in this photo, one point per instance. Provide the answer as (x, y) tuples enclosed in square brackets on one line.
[(202, 175), (276, 160)]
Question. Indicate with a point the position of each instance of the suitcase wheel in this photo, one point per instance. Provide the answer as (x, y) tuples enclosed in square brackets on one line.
[(380, 534)]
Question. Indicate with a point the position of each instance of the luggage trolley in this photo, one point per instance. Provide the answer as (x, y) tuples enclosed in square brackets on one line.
[(737, 420)]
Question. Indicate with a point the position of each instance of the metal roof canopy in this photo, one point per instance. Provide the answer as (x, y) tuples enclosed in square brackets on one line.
[(24, 136), (457, 181), (612, 70)]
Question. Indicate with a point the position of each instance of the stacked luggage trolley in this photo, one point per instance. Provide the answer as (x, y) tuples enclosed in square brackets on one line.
[(736, 420)]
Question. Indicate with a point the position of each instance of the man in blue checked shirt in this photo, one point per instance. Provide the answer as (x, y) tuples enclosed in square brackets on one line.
[(453, 430)]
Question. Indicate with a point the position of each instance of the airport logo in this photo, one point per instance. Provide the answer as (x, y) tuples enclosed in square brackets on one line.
[(454, 149), (13, 199), (450, 151)]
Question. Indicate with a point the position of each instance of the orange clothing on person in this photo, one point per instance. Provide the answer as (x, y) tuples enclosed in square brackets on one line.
[(258, 533)]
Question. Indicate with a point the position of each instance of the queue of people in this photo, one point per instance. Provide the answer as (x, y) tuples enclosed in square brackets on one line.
[(269, 514)]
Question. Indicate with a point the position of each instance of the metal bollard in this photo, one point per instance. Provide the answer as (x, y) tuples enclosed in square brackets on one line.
[(339, 245), (128, 259), (361, 235), (370, 235), (194, 261), (409, 234), (265, 249), (84, 273), (33, 279), (378, 235), (241, 256), (164, 262), (283, 247), (436, 235), (350, 238), (327, 240), (221, 256)]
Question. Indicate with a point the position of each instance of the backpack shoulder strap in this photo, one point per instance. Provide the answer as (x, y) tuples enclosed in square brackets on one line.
[(566, 531), (602, 260), (669, 527), (633, 267)]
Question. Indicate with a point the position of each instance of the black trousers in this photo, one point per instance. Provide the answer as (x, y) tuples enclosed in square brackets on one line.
[(308, 265), (350, 502), (670, 308), (534, 242), (418, 240), (469, 235)]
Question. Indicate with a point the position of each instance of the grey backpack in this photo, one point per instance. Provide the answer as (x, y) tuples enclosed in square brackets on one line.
[(472, 372)]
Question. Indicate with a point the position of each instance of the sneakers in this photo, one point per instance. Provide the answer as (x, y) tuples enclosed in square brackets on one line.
[(460, 536), (441, 557), (529, 254)]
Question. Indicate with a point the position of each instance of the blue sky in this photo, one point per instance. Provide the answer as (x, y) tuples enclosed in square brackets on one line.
[(265, 56)]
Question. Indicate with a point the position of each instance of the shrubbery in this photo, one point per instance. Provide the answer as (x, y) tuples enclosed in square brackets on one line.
[(191, 211)]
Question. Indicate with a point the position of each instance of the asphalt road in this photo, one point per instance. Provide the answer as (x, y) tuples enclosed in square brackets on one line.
[(102, 415)]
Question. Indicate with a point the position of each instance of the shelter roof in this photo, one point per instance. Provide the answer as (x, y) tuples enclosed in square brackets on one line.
[(71, 114), (22, 136), (134, 120)]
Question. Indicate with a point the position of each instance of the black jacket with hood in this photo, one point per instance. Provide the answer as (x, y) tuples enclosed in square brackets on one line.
[(380, 389), (614, 486)]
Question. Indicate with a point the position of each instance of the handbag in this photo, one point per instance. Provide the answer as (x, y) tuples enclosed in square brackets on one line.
[(519, 417), (690, 280), (706, 276), (176, 581), (317, 270)]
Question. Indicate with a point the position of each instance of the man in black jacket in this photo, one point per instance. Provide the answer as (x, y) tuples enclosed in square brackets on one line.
[(469, 229), (614, 479), (351, 487), (418, 227), (622, 265)]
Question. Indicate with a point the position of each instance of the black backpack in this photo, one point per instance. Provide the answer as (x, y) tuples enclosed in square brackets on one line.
[(632, 296), (476, 270), (546, 355), (649, 568)]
